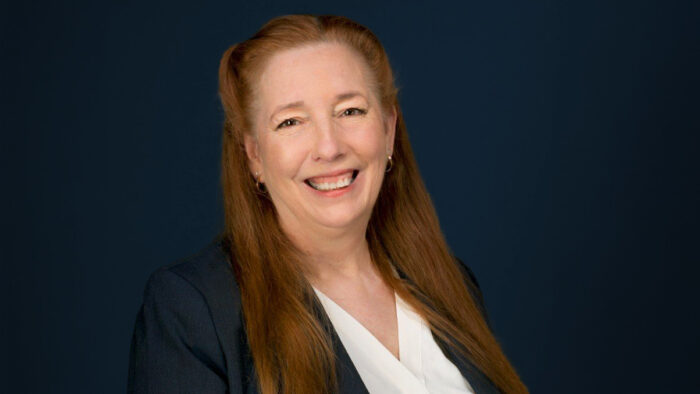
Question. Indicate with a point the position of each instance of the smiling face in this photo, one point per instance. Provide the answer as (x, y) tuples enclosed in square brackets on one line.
[(320, 138)]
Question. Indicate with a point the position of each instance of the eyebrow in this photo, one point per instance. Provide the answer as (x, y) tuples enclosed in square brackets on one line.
[(297, 104)]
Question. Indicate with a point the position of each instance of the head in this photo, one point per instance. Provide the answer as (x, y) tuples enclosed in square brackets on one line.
[(314, 109), (320, 137), (311, 105)]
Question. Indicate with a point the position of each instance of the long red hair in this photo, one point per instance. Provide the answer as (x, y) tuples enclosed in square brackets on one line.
[(291, 350)]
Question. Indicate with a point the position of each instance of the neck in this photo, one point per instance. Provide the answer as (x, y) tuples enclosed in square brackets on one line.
[(333, 253)]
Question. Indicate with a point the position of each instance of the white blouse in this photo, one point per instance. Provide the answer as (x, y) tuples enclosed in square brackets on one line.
[(422, 368)]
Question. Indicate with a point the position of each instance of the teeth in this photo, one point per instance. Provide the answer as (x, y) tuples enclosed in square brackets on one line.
[(331, 185)]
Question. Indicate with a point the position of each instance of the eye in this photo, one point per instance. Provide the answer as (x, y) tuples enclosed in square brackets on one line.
[(353, 111), (287, 123)]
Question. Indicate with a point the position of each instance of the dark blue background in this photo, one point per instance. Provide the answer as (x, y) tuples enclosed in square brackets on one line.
[(559, 143)]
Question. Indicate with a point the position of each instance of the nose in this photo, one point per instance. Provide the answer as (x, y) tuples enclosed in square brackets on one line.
[(328, 144)]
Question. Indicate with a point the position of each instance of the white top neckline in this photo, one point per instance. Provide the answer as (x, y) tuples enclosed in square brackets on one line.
[(422, 368)]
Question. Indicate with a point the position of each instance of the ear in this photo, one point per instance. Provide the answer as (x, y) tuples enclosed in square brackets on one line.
[(252, 150), (390, 126)]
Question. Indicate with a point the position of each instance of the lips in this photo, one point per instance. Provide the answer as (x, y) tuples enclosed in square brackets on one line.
[(332, 181)]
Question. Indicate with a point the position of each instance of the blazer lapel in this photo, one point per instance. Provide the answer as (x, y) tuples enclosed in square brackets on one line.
[(479, 382), (349, 380)]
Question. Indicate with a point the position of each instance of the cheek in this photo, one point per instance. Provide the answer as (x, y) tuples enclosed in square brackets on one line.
[(283, 158), (372, 143)]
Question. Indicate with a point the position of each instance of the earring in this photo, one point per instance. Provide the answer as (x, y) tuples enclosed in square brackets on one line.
[(391, 163), (258, 184)]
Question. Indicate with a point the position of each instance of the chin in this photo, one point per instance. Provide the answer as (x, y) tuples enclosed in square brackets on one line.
[(338, 219)]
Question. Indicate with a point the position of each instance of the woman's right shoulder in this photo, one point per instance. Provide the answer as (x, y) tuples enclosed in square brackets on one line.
[(208, 272), (189, 330)]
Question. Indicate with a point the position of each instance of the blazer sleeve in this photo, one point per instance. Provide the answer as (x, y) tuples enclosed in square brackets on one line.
[(174, 347)]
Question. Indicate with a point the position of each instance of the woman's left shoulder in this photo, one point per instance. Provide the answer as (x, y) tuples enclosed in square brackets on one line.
[(468, 273), (474, 288)]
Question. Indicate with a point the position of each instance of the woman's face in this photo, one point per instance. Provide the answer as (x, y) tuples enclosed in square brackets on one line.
[(320, 138)]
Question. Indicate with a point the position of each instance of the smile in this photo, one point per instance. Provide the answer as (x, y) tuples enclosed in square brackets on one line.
[(334, 182)]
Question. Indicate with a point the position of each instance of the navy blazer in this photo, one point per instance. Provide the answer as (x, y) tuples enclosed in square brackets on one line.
[(189, 334)]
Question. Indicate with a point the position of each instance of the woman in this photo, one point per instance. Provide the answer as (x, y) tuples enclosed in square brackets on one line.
[(332, 268)]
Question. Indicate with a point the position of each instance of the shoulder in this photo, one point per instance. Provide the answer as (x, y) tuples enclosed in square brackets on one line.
[(204, 276), (474, 288), (208, 271), (189, 326), (203, 280), (468, 274)]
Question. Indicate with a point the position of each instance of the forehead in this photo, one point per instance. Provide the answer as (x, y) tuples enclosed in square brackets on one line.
[(312, 72)]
